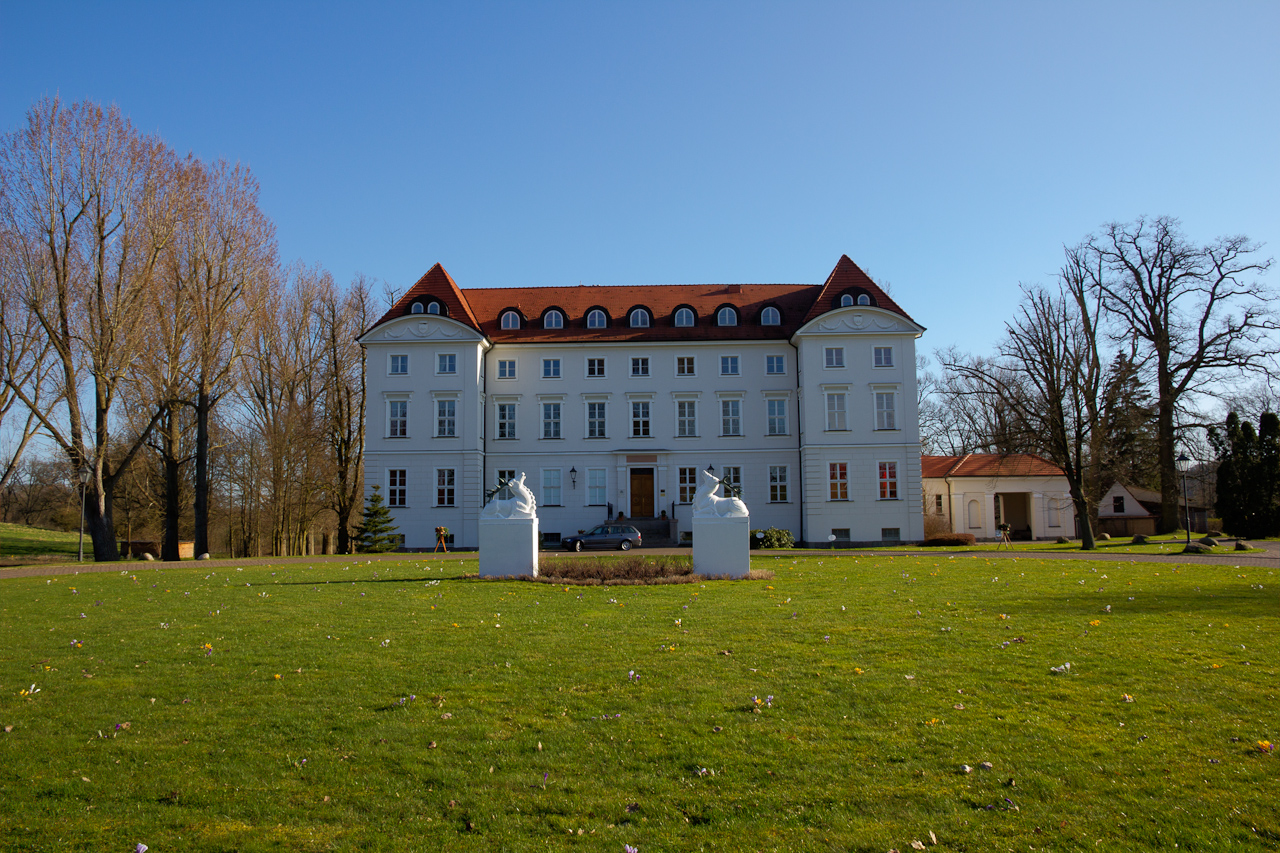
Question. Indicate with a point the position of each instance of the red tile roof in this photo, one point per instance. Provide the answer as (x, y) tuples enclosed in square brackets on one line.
[(482, 308), (989, 465)]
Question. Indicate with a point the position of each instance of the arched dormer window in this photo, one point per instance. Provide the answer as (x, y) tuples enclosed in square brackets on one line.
[(553, 319), (596, 319), (846, 301), (639, 319), (726, 316), (770, 317), (415, 308), (433, 308), (684, 317), (863, 299), (510, 320)]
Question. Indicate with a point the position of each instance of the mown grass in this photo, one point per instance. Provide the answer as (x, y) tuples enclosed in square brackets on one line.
[(589, 717), (20, 540), (1169, 544)]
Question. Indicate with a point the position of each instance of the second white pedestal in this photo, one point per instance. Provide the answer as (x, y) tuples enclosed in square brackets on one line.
[(508, 546), (721, 546)]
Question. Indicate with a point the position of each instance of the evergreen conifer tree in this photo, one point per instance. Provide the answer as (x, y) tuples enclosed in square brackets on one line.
[(376, 533), (1248, 476)]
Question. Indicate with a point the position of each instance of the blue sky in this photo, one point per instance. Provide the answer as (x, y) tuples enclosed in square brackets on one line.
[(950, 149)]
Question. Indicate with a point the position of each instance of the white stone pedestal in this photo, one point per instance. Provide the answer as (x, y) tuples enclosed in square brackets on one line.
[(721, 546), (508, 546)]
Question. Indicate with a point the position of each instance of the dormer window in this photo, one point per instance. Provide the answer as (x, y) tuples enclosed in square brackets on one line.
[(770, 317), (726, 316), (639, 319), (553, 320), (846, 301), (863, 299), (510, 320), (684, 317), (415, 308), (596, 319), (433, 308)]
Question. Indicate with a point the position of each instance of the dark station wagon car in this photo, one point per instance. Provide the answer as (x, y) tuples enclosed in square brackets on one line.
[(621, 536)]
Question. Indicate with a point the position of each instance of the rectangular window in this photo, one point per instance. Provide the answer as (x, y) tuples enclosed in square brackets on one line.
[(506, 420), (504, 475), (777, 414), (550, 420), (596, 486), (686, 418), (884, 410), (551, 487), (728, 365), (506, 368), (398, 419), (639, 420), (888, 481), (777, 484), (684, 365), (836, 415), (445, 486), (446, 418), (775, 365), (733, 476), (397, 487), (891, 534), (688, 484), (446, 362), (838, 476), (884, 356), (1117, 504), (399, 365), (937, 500), (841, 534), (731, 417), (595, 368), (640, 366), (551, 368), (595, 420), (834, 356)]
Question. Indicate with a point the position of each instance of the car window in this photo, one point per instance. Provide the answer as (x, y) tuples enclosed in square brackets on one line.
[(595, 531)]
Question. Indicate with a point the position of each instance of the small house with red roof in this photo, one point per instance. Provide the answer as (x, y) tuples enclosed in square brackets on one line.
[(978, 492), (610, 399)]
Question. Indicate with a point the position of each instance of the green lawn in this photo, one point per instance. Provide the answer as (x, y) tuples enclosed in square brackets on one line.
[(19, 540), (1172, 543), (261, 709)]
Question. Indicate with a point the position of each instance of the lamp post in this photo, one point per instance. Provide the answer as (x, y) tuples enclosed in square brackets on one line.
[(83, 473), (573, 477), (1182, 461)]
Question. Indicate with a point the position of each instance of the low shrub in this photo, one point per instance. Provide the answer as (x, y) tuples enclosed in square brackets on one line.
[(944, 539), (631, 569), (774, 537)]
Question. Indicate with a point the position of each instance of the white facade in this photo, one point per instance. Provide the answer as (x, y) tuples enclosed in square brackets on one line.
[(815, 416), (977, 493)]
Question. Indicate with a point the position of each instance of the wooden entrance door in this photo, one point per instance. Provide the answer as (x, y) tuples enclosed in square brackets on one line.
[(642, 493)]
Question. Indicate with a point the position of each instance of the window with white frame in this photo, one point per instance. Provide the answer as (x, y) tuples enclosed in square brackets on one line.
[(551, 368), (882, 356), (446, 418), (937, 504), (837, 415), (550, 487), (640, 366), (687, 418), (550, 420), (778, 484), (510, 320), (399, 365), (863, 299), (688, 484), (840, 534), (397, 418), (684, 365), (776, 410), (888, 481), (639, 419), (684, 317), (733, 476), (596, 420), (728, 365), (726, 316), (506, 420), (833, 356), (595, 368), (770, 317), (445, 480), (731, 417), (553, 320), (891, 534), (397, 487), (446, 363), (846, 301), (434, 308), (506, 368), (885, 418), (415, 308), (504, 475), (838, 480), (597, 494), (639, 319), (775, 365), (596, 319)]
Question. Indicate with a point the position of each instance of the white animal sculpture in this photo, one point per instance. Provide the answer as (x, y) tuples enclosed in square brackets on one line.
[(707, 505), (522, 505)]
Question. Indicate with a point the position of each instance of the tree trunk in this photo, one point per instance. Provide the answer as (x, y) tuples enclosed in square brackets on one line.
[(1167, 439), (98, 524), (201, 505)]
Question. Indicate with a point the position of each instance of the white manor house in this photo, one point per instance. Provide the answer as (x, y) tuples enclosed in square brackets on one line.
[(611, 399)]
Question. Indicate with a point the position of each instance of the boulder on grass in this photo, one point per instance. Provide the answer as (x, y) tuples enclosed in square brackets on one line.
[(1141, 539), (1241, 546), (1197, 548), (1208, 540), (148, 556), (1062, 540), (203, 556), (1103, 537)]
